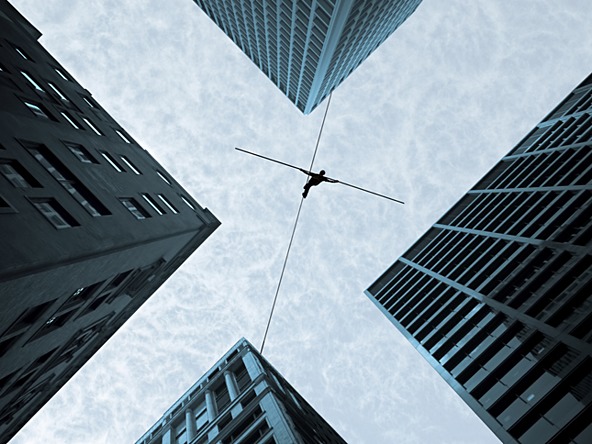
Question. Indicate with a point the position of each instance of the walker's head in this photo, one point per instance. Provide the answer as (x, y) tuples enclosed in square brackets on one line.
[(322, 172)]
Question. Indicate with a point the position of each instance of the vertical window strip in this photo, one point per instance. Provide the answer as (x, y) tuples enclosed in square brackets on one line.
[(123, 137), (58, 92), (92, 126), (130, 165), (168, 204), (69, 119), (37, 110), (32, 81), (112, 161), (153, 204)]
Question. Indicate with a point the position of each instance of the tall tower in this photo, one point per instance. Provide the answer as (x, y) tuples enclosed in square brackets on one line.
[(308, 47), (497, 295), (242, 398), (90, 224)]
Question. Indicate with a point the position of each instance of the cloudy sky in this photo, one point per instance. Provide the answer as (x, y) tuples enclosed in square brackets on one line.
[(423, 118)]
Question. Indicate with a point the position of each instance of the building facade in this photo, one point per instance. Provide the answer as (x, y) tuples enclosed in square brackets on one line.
[(308, 47), (497, 295), (241, 399), (91, 225)]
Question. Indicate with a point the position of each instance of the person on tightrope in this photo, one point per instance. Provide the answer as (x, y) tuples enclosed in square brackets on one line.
[(314, 180)]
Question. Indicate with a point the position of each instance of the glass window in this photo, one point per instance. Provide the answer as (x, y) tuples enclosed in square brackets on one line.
[(58, 92), (120, 134), (37, 109), (201, 419), (181, 434), (67, 180), (61, 74), (539, 388), (32, 82), (112, 161), (134, 207), (511, 414), (189, 204), (16, 174), (88, 101), (540, 432), (163, 177), (69, 119), (564, 410), (54, 213), (4, 206), (153, 204), (22, 53), (130, 165), (80, 152), (168, 204), (92, 127)]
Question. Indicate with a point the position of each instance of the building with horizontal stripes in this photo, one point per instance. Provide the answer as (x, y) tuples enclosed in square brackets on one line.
[(242, 399), (308, 47), (497, 295), (90, 224)]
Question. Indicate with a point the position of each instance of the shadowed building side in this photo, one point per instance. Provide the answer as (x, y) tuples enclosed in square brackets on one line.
[(91, 224), (497, 295), (241, 399), (308, 47)]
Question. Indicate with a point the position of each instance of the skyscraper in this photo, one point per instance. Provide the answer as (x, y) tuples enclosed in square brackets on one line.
[(90, 224), (308, 47), (242, 398), (497, 295)]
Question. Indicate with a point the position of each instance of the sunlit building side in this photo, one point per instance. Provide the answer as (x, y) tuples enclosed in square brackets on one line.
[(241, 399), (308, 47)]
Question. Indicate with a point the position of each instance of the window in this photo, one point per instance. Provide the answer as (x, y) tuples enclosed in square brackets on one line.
[(61, 74), (92, 127), (201, 419), (130, 165), (134, 207), (80, 152), (67, 180), (37, 109), (22, 53), (181, 434), (189, 204), (58, 92), (112, 161), (89, 102), (153, 204), (5, 206), (168, 204), (17, 175), (54, 213), (70, 120), (163, 177), (32, 82), (120, 134)]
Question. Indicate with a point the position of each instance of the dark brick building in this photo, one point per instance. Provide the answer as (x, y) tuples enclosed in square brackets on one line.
[(90, 224)]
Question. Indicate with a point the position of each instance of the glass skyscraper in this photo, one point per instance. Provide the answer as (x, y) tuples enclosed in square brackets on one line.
[(497, 295), (241, 399), (308, 47)]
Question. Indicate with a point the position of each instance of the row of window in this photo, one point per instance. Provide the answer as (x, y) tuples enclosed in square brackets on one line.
[(41, 111), (19, 177), (39, 88)]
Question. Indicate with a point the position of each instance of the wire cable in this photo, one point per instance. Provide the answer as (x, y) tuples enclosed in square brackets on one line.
[(277, 290)]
